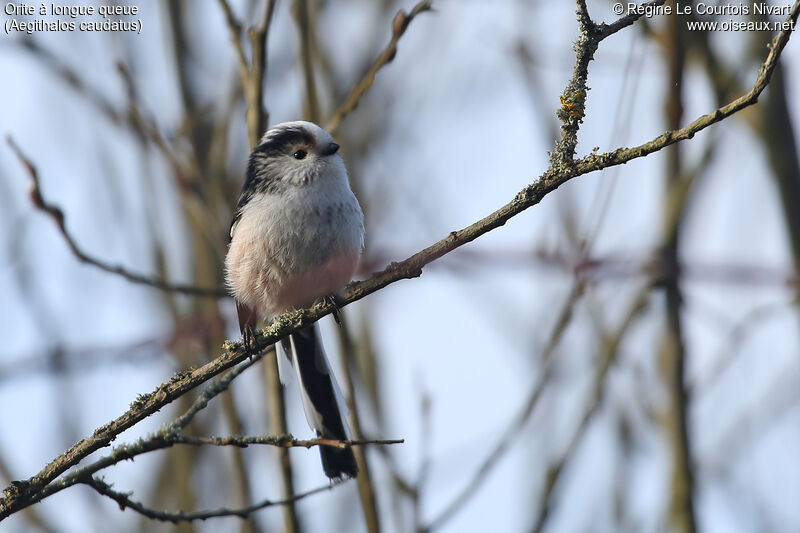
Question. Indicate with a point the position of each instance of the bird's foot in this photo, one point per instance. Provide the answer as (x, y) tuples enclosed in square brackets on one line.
[(335, 301), (249, 341)]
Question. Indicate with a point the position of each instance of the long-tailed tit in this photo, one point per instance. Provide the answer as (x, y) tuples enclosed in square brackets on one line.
[(297, 236)]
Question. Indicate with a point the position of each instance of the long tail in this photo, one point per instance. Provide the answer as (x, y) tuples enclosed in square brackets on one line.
[(322, 400)]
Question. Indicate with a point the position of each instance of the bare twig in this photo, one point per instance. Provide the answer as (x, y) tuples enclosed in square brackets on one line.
[(301, 11), (573, 99), (611, 266), (235, 31), (277, 425), (258, 117), (167, 437), (80, 360), (57, 215), (608, 355), (170, 435), (673, 351), (366, 488), (283, 441), (208, 394), (240, 477), (498, 451), (416, 491), (73, 79), (772, 401), (776, 47), (251, 74), (399, 25), (623, 22), (31, 514), (726, 354), (252, 78), (133, 117), (125, 502)]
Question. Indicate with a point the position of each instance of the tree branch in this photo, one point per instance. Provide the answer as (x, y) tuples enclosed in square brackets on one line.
[(563, 320), (573, 99), (170, 435), (282, 441), (235, 31), (301, 12), (672, 358), (399, 25), (57, 215), (366, 487), (608, 355), (252, 78), (124, 501)]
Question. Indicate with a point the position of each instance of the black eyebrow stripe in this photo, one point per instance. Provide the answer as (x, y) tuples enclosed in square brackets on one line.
[(255, 180), (285, 138)]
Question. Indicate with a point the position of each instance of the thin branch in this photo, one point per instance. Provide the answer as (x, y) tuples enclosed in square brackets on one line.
[(276, 403), (23, 493), (251, 74), (366, 486), (166, 437), (609, 267), (143, 126), (607, 30), (125, 502), (86, 359), (573, 99), (513, 431), (399, 25), (252, 78), (301, 11), (609, 354), (240, 477), (754, 421), (170, 435), (283, 441), (235, 30), (57, 215), (208, 394), (72, 79), (728, 351), (673, 354), (623, 155), (257, 117), (32, 514)]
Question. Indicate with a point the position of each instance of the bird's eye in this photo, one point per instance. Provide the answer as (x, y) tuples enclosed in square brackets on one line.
[(300, 154)]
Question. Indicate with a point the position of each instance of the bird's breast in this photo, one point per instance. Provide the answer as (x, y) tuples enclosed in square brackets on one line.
[(290, 249)]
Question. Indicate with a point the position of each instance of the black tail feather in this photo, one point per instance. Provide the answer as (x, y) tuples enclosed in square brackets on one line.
[(338, 462), (317, 383)]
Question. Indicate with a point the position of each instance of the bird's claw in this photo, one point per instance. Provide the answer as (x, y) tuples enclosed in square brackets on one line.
[(334, 300), (248, 339)]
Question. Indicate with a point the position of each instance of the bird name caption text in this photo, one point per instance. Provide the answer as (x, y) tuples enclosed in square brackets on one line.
[(52, 17)]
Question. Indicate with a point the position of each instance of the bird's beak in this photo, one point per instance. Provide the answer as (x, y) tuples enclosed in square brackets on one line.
[(331, 149)]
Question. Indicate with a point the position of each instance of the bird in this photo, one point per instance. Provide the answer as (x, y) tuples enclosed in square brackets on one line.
[(296, 237)]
